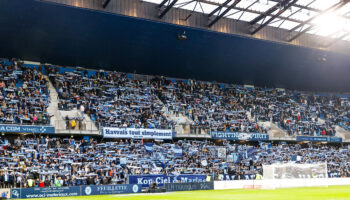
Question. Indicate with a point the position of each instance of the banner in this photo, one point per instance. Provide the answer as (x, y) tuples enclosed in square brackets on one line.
[(137, 133), (319, 139), (170, 187), (110, 189), (333, 175), (45, 192), (146, 180), (240, 136), (26, 129), (230, 177), (295, 171)]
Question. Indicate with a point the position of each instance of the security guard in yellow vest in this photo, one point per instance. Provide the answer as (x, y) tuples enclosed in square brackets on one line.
[(30, 182), (258, 177), (208, 179)]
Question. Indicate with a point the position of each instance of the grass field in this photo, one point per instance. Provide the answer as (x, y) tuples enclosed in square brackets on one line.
[(319, 193)]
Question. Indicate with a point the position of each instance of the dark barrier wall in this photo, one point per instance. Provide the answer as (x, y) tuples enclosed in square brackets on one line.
[(170, 187), (58, 34), (47, 192)]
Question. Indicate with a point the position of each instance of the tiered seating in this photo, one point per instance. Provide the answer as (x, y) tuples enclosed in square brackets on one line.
[(111, 99), (335, 110), (294, 113), (209, 105), (85, 162), (24, 95)]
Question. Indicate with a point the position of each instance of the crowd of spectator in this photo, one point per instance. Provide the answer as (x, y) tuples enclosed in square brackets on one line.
[(114, 99), (45, 161), (294, 112), (111, 99), (24, 95), (209, 106), (232, 108)]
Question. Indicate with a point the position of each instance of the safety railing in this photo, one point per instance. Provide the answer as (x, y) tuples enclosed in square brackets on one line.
[(76, 126)]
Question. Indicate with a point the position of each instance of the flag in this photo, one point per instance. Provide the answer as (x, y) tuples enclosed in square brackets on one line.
[(250, 151), (149, 147), (86, 138), (296, 158), (239, 158), (269, 145), (177, 151), (122, 161), (229, 158), (235, 157)]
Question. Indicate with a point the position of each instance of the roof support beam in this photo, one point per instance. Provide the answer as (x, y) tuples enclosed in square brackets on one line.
[(219, 7), (285, 7), (300, 33), (167, 8), (332, 8), (162, 3), (249, 11), (269, 12), (224, 13), (302, 7), (258, 12), (306, 7), (335, 6), (295, 12), (105, 3)]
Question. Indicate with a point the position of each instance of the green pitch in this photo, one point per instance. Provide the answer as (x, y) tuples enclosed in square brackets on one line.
[(319, 193)]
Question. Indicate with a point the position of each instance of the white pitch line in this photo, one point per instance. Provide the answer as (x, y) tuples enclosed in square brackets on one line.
[(142, 194)]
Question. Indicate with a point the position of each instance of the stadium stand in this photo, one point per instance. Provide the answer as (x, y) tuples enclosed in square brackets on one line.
[(24, 94), (113, 99), (208, 105), (213, 99), (45, 161), (105, 96)]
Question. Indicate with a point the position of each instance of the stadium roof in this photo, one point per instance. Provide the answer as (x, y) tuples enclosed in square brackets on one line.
[(330, 18)]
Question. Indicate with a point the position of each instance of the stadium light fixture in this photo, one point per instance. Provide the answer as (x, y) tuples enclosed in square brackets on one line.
[(182, 36)]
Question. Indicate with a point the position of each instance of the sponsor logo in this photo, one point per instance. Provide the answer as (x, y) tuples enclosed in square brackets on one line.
[(15, 193), (42, 129), (135, 188), (88, 190)]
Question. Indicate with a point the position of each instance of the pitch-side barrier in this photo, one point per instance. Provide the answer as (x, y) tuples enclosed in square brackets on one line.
[(279, 183)]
